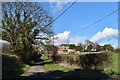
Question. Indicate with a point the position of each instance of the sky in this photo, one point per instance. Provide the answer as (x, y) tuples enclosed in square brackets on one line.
[(69, 27)]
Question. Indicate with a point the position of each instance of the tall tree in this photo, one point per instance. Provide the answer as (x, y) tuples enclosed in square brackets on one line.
[(98, 47), (108, 47), (89, 47), (72, 46), (79, 47), (22, 22)]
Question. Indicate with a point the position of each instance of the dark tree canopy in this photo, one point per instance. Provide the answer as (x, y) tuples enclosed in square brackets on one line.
[(89, 47), (108, 47), (98, 47)]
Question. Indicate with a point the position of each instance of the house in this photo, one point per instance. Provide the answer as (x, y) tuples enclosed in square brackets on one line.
[(64, 49), (87, 43)]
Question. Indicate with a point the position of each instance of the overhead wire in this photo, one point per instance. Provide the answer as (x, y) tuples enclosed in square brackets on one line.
[(62, 13), (97, 21)]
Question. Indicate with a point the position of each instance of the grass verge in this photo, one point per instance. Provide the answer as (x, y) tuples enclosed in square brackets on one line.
[(115, 66), (24, 68), (53, 67)]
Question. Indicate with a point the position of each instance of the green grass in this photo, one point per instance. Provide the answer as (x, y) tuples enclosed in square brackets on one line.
[(55, 67), (116, 63), (45, 58), (24, 67), (114, 67)]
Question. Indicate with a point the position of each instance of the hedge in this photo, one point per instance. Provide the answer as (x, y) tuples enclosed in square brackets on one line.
[(92, 61), (10, 65)]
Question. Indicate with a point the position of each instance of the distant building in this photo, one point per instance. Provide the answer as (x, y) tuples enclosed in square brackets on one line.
[(64, 49)]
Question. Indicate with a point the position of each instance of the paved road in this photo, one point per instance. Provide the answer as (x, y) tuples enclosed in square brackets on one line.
[(34, 70), (37, 71)]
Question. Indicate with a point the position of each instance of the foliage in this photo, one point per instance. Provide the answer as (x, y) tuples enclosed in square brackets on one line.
[(98, 48), (24, 67), (117, 50), (31, 62), (51, 49), (10, 64), (89, 47), (77, 48), (91, 61), (22, 22), (96, 61), (36, 55), (10, 60), (45, 58), (72, 46), (80, 47), (108, 47)]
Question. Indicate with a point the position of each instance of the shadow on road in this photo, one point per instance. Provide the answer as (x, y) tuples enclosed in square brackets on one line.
[(84, 74)]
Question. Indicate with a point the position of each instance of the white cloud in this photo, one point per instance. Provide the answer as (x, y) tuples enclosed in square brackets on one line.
[(76, 40), (106, 33), (64, 38), (57, 6)]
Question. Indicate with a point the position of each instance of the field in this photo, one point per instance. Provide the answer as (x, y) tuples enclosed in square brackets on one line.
[(115, 64)]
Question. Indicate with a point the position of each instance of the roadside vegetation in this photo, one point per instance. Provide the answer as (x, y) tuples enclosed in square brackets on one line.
[(50, 66), (113, 69), (25, 27), (106, 65), (22, 28)]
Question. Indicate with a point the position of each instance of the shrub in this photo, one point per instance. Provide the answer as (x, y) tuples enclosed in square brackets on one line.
[(10, 60), (10, 64), (35, 55), (71, 60), (31, 62), (95, 61), (92, 61)]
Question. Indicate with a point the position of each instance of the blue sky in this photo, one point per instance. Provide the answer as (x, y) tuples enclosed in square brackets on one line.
[(80, 15)]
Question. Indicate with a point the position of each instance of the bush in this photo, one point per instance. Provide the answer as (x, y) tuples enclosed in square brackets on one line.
[(9, 61), (95, 61), (71, 60), (10, 64), (31, 62), (35, 55), (92, 61)]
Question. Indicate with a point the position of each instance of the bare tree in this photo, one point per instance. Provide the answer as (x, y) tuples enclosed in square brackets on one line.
[(22, 22)]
